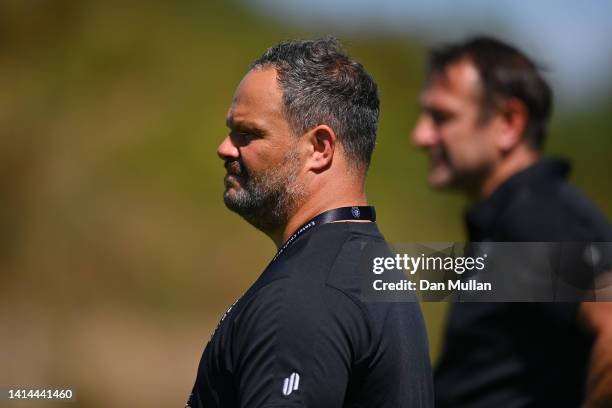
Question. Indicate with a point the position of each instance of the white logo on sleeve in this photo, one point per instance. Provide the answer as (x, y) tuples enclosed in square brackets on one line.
[(291, 383)]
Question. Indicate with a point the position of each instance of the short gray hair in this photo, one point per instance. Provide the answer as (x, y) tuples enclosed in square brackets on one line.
[(321, 84)]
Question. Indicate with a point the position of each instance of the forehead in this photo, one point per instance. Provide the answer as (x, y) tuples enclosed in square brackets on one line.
[(457, 85), (258, 98)]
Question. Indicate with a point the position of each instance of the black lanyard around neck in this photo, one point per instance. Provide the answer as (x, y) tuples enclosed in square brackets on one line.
[(362, 213)]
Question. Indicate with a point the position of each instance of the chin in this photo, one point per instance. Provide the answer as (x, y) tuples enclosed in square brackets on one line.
[(441, 179), (230, 197), (232, 204)]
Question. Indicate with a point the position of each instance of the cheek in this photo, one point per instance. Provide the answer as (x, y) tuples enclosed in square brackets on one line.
[(456, 140), (255, 156), (265, 159), (481, 153), (467, 147)]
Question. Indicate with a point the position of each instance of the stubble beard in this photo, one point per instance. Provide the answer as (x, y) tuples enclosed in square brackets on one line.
[(450, 176), (265, 199)]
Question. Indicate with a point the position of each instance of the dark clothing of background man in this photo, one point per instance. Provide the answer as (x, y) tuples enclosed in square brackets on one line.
[(521, 354), (304, 315), (485, 114)]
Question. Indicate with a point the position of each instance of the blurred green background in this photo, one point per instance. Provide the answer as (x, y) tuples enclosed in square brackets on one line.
[(117, 255)]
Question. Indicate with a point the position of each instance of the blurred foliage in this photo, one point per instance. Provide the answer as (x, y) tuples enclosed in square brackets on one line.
[(116, 254)]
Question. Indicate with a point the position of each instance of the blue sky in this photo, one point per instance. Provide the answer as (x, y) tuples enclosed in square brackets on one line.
[(572, 39)]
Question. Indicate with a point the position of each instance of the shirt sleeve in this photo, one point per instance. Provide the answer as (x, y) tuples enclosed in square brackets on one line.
[(294, 345)]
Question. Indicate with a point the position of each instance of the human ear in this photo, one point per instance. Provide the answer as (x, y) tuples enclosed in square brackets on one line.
[(321, 142), (512, 121)]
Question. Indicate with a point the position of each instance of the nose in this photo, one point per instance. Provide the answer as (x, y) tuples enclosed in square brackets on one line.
[(424, 133), (227, 149)]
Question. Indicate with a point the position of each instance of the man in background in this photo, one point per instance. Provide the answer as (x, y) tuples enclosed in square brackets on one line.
[(302, 128), (485, 113)]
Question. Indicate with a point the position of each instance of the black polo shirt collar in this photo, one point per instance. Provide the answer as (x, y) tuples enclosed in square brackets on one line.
[(480, 218)]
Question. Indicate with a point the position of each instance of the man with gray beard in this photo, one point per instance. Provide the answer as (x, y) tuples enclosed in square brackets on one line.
[(302, 128)]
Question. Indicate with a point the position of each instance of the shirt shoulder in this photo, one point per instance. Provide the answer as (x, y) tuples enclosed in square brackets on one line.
[(556, 211)]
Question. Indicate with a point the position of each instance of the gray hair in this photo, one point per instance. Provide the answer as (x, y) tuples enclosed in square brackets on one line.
[(321, 84)]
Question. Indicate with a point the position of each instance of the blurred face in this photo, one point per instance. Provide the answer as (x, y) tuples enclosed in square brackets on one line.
[(260, 154), (460, 145)]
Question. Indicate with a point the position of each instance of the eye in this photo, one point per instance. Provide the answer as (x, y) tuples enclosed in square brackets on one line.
[(242, 138), (439, 117)]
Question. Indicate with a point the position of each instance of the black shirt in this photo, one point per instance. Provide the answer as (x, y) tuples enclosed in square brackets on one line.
[(302, 337), (521, 354)]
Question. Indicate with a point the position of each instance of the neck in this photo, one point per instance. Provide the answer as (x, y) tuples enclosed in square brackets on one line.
[(318, 203), (517, 160)]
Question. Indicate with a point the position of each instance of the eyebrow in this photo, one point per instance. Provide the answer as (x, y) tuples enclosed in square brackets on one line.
[(242, 125), (230, 122)]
